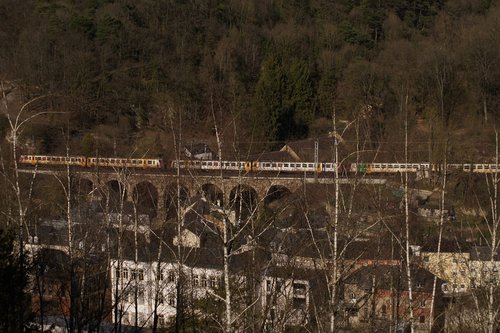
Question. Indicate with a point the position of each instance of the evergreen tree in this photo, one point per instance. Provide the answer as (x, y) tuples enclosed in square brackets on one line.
[(13, 300)]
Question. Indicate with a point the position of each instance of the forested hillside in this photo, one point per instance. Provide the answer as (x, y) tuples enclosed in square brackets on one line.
[(267, 70)]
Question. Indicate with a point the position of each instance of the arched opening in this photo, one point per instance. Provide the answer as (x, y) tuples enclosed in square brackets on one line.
[(175, 198), (276, 193), (213, 194), (86, 191), (145, 197), (114, 195), (243, 201)]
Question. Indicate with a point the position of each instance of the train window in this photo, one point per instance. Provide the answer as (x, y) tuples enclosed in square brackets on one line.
[(304, 165), (286, 165), (233, 164)]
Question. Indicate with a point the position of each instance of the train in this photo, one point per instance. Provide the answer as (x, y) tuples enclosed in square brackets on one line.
[(251, 166)]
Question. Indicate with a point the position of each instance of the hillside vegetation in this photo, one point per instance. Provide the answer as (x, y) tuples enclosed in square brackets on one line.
[(264, 71)]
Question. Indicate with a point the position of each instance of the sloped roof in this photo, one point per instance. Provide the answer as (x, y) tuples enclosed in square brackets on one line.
[(386, 277), (198, 148)]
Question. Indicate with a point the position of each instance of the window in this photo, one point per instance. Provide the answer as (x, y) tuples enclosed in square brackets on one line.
[(384, 311), (299, 295), (161, 298), (426, 258), (299, 290), (161, 320), (279, 285), (161, 276), (196, 280), (204, 281), (422, 303), (269, 286), (140, 297), (213, 281), (171, 276), (171, 299), (138, 274), (299, 303), (421, 319)]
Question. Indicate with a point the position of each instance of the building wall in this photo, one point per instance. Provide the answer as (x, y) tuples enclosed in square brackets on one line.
[(459, 271), (143, 282)]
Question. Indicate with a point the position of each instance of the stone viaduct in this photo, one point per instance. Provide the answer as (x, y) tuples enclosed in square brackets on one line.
[(158, 187), (154, 189)]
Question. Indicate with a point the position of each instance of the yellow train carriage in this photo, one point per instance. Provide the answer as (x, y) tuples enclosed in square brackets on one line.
[(53, 160)]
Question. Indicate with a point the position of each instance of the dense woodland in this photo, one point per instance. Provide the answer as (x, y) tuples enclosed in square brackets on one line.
[(145, 78), (269, 71)]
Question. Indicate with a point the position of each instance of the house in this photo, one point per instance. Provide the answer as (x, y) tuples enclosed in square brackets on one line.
[(199, 151), (462, 268), (147, 274), (378, 297)]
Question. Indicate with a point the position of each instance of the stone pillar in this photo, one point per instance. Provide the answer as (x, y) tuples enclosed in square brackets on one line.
[(161, 212)]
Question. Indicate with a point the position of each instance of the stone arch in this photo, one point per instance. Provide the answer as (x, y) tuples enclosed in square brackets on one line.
[(243, 200), (145, 196), (114, 191), (173, 197), (213, 194), (276, 192), (86, 189)]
